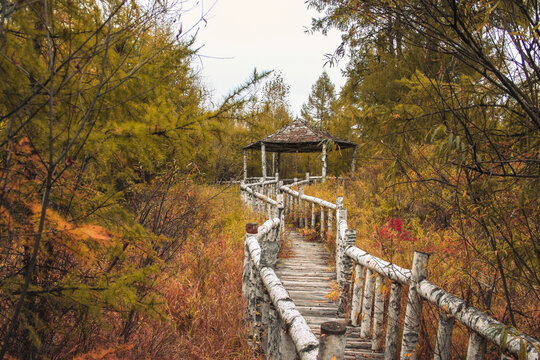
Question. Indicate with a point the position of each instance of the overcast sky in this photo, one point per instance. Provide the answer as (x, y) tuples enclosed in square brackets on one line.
[(270, 35)]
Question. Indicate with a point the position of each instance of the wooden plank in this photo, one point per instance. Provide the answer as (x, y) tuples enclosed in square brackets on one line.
[(308, 278)]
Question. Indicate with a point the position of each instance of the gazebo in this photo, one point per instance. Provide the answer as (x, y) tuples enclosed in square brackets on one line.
[(297, 137)]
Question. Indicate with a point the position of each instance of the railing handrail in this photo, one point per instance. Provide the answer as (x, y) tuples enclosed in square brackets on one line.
[(258, 195), (305, 341), (508, 338)]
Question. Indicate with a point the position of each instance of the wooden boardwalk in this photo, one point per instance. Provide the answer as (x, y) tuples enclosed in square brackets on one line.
[(306, 275)]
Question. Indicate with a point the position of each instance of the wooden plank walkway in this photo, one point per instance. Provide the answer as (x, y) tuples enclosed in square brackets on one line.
[(306, 275)]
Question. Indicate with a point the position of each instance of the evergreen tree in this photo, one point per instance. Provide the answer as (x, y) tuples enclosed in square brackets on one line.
[(319, 108)]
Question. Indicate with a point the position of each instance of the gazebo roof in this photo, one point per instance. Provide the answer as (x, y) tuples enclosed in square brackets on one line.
[(298, 136)]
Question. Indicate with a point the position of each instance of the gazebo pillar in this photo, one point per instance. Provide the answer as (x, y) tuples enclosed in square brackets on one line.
[(245, 164), (263, 161), (278, 163), (324, 162), (353, 162)]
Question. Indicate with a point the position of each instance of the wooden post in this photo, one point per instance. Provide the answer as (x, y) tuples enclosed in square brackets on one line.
[(313, 216), (346, 268), (340, 214), (288, 204), (330, 219), (353, 162), (251, 230), (269, 251), (322, 222), (392, 325), (378, 314), (324, 163), (365, 329), (280, 215), (444, 337), (278, 166), (300, 208), (245, 165), (286, 348), (357, 294), (272, 346), (263, 161), (307, 178), (332, 341), (274, 163), (306, 214), (477, 346), (413, 312)]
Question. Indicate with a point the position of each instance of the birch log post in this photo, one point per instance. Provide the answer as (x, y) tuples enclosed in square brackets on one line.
[(245, 165), (307, 178), (340, 215), (300, 208), (332, 341), (378, 315), (313, 216), (263, 161), (413, 312), (281, 216), (322, 223), (286, 348), (278, 166), (269, 253), (251, 229), (274, 332), (477, 346), (324, 163), (358, 287), (329, 226), (444, 336), (392, 325), (306, 214), (365, 329), (346, 269)]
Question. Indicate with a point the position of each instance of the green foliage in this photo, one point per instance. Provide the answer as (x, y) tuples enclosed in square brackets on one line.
[(320, 106)]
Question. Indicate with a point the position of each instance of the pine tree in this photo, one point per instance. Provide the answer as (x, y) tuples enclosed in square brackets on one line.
[(319, 108)]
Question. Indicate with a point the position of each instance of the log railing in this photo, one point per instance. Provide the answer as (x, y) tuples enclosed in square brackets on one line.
[(362, 299), (275, 323)]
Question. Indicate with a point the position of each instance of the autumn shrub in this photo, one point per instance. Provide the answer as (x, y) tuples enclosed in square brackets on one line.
[(153, 274)]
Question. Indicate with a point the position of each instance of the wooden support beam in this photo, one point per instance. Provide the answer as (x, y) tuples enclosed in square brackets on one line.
[(263, 161), (358, 288), (322, 223), (444, 337), (278, 166), (245, 165), (477, 346), (353, 162), (413, 312), (332, 341), (392, 325), (324, 163), (301, 223), (378, 315), (313, 216), (346, 269), (367, 303), (330, 211)]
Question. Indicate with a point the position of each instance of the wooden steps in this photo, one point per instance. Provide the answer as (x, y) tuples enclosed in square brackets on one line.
[(308, 278)]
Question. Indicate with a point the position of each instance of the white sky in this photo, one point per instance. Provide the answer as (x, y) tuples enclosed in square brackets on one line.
[(268, 35)]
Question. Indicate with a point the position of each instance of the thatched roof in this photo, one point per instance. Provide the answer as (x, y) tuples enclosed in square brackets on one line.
[(298, 136)]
